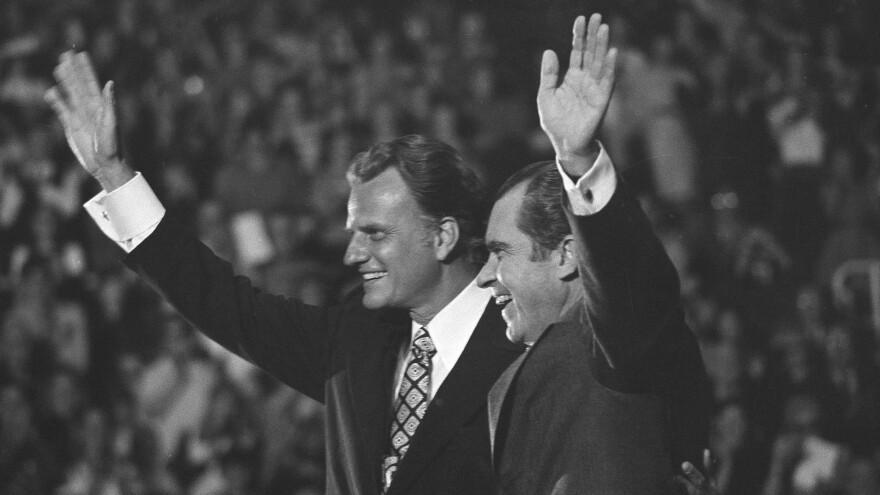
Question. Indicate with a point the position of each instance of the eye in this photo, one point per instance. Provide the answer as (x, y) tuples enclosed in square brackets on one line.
[(497, 250), (377, 235)]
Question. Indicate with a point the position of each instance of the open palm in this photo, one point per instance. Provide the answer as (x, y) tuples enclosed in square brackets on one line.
[(570, 112), (86, 112)]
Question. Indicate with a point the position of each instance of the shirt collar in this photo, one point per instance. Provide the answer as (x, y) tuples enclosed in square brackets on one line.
[(451, 328)]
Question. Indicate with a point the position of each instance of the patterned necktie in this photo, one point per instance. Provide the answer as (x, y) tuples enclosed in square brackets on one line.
[(411, 403)]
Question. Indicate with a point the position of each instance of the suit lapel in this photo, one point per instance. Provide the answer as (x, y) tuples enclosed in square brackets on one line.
[(463, 394), (499, 393), (497, 396), (372, 374)]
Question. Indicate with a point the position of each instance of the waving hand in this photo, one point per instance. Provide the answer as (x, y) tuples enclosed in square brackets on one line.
[(571, 111), (89, 119)]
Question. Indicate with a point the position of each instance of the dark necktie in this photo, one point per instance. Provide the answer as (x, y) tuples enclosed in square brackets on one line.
[(411, 403)]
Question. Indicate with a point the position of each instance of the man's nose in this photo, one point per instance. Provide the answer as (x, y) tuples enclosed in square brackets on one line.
[(355, 252), (486, 277)]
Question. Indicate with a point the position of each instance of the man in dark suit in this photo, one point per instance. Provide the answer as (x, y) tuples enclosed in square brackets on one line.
[(613, 377), (404, 364)]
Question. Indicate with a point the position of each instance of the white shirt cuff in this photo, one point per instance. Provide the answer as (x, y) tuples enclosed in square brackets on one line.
[(594, 189), (128, 214)]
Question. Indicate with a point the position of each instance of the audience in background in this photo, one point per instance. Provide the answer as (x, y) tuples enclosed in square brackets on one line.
[(766, 114)]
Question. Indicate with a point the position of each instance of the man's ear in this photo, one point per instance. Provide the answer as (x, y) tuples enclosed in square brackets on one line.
[(566, 259), (446, 238)]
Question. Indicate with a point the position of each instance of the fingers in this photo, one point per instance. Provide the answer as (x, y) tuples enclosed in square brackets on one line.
[(609, 70), (62, 72), (56, 101), (708, 462), (589, 51), (549, 71), (83, 64), (105, 144), (578, 42), (600, 51), (110, 103), (693, 474), (589, 48), (76, 78), (65, 74)]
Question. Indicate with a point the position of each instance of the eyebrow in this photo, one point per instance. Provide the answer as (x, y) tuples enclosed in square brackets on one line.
[(495, 246), (370, 227)]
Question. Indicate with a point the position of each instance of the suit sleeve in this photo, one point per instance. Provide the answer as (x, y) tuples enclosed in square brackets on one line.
[(286, 337), (631, 286), (640, 341)]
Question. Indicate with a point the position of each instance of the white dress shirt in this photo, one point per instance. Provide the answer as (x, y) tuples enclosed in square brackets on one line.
[(128, 214), (450, 330), (594, 189)]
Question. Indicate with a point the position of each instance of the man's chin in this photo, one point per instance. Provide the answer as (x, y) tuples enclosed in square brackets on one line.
[(517, 335), (372, 301), (513, 335)]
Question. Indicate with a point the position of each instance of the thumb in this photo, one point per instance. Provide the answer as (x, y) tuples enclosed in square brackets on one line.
[(107, 123), (549, 71)]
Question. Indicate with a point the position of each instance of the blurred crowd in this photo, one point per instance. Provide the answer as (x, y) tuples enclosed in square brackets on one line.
[(750, 128)]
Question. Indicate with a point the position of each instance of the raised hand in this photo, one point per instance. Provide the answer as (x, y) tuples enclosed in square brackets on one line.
[(89, 119), (570, 112)]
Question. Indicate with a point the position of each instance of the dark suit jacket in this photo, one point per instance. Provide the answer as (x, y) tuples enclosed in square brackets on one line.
[(615, 397), (345, 357)]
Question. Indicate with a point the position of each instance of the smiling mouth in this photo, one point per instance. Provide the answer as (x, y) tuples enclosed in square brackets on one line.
[(373, 275), (503, 299)]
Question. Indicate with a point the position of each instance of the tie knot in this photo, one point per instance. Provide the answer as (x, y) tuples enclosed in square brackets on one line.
[(423, 345)]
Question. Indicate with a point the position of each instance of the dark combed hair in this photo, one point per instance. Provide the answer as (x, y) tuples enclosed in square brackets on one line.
[(541, 215), (442, 185)]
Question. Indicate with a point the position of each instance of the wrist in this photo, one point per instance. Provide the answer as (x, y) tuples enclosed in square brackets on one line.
[(114, 174), (577, 162)]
